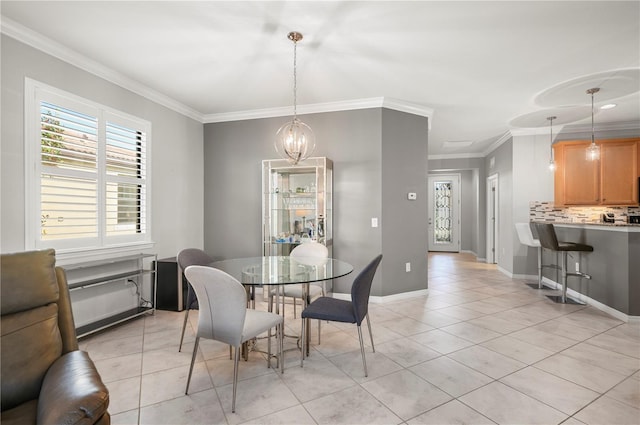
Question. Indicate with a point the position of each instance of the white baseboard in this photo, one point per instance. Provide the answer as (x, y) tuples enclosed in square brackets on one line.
[(505, 271), (386, 298), (526, 276), (594, 303)]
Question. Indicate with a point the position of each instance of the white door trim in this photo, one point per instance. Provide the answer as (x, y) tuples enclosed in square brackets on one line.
[(492, 219)]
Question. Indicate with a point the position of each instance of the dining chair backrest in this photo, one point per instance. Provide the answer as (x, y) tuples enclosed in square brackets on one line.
[(193, 257), (223, 302), (310, 249), (361, 289)]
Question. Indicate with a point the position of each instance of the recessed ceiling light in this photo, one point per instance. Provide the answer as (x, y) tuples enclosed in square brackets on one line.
[(608, 106)]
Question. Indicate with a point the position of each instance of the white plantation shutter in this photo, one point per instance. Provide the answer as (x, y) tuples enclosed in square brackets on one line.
[(69, 179), (125, 180), (91, 173)]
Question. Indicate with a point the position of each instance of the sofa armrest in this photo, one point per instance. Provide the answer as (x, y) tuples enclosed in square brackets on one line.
[(72, 392)]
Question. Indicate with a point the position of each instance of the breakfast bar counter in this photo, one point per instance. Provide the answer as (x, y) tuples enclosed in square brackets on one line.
[(614, 264)]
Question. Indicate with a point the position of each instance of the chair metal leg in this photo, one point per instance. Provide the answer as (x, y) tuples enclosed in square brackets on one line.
[(364, 360), (302, 341), (193, 360), (370, 334), (184, 326), (269, 348), (281, 346), (564, 277), (235, 379)]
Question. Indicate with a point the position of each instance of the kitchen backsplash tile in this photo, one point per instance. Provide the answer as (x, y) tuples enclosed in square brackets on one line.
[(546, 211)]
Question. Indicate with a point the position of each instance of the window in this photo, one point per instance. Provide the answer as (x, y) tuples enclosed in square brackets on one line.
[(90, 182)]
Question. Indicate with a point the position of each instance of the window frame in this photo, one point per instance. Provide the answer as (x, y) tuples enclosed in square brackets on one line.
[(35, 92)]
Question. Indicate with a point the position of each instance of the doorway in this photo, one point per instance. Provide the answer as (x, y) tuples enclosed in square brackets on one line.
[(492, 219), (444, 213)]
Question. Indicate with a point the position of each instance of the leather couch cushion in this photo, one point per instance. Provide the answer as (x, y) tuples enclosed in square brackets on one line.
[(30, 344), (72, 392), (21, 291)]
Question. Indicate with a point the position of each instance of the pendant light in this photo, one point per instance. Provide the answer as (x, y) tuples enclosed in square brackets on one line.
[(552, 164), (593, 151), (295, 140)]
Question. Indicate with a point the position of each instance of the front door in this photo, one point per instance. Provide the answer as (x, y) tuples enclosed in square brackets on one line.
[(444, 213)]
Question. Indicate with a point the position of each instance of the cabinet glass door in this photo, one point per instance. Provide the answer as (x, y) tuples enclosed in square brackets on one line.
[(296, 204)]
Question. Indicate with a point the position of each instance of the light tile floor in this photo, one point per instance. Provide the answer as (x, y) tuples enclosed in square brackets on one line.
[(479, 349)]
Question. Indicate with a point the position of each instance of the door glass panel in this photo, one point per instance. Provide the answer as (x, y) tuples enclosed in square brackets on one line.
[(442, 217)]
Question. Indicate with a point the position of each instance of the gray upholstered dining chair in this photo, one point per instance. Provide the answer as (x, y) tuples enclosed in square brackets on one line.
[(354, 311), (223, 316), (190, 257)]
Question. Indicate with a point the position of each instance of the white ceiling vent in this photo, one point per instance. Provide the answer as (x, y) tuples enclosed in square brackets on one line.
[(457, 144)]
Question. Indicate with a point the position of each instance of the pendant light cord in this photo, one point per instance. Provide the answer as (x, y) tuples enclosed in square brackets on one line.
[(593, 136)]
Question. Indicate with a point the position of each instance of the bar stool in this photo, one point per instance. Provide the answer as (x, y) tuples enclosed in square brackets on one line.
[(549, 240), (526, 238)]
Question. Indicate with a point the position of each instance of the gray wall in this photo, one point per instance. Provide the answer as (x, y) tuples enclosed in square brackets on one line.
[(613, 266), (532, 181), (355, 141), (404, 229), (503, 166), (176, 149)]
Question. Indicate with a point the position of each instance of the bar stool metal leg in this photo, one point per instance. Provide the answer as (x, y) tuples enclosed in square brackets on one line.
[(539, 249)]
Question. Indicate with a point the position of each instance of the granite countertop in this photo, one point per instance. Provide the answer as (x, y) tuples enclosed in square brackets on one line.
[(599, 223), (619, 226)]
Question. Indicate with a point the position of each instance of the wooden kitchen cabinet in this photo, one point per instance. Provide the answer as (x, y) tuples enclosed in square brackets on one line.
[(611, 180), (619, 173)]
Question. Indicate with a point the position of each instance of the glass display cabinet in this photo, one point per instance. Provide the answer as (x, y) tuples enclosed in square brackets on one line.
[(296, 204)]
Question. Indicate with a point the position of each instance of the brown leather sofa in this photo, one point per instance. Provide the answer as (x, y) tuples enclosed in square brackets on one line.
[(45, 378)]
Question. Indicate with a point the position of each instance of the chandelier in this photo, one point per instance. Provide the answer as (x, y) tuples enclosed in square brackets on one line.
[(593, 151), (295, 140)]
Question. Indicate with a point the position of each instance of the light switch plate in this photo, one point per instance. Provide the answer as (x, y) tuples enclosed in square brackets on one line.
[(374, 222)]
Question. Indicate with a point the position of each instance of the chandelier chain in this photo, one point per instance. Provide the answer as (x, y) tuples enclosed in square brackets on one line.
[(295, 79)]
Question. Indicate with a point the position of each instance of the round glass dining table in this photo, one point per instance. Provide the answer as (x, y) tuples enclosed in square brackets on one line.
[(283, 270)]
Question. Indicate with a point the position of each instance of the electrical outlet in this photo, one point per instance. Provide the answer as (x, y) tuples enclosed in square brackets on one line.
[(374, 222), (407, 267), (577, 267)]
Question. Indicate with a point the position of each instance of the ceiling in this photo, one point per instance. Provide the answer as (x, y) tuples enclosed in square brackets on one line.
[(478, 69)]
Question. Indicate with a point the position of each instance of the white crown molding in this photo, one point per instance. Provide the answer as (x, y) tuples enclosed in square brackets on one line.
[(38, 41), (495, 145), (610, 126), (537, 131), (347, 105)]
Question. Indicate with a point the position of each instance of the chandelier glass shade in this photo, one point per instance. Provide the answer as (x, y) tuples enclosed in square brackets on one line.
[(295, 140), (593, 151)]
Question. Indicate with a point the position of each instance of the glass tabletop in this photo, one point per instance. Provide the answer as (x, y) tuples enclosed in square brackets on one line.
[(283, 270)]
